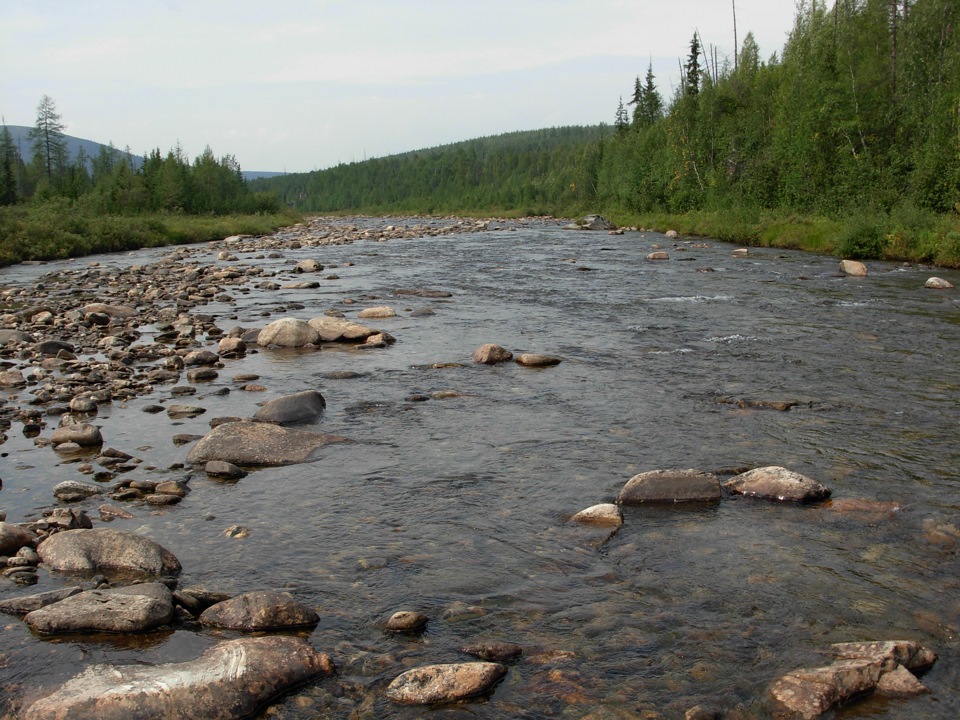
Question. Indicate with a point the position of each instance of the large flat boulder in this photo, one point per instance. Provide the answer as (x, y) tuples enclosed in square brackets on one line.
[(433, 684), (258, 444), (340, 330), (300, 407), (860, 669), (259, 610), (231, 680), (670, 486), (289, 333), (777, 483), (89, 551), (136, 608)]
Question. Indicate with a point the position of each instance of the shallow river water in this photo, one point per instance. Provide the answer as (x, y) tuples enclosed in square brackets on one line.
[(458, 506)]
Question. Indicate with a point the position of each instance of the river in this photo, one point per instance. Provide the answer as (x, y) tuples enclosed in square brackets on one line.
[(454, 498)]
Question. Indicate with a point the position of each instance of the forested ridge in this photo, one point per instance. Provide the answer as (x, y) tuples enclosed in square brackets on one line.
[(536, 170), (848, 139)]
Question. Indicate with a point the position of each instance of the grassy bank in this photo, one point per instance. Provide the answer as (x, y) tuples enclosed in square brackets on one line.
[(906, 234), (61, 229)]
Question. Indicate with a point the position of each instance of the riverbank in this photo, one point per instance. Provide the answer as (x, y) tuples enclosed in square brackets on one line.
[(906, 235), (62, 229)]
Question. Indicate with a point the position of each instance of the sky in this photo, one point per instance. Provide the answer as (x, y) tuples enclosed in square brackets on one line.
[(300, 85)]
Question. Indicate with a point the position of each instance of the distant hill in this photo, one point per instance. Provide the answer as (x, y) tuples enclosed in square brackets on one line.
[(21, 139), (536, 171)]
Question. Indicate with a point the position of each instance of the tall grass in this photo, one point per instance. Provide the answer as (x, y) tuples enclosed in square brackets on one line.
[(62, 228)]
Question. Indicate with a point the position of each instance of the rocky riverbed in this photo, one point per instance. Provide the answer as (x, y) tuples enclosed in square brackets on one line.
[(139, 392)]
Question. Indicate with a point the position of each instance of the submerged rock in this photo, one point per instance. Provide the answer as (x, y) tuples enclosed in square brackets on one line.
[(246, 443), (259, 610), (406, 621), (88, 551), (493, 652), (778, 483), (670, 486), (230, 680), (300, 407), (444, 683), (807, 693), (537, 360), (340, 330)]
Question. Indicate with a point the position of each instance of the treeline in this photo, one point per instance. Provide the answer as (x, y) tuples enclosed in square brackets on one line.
[(56, 206), (858, 118), (536, 171), (116, 182)]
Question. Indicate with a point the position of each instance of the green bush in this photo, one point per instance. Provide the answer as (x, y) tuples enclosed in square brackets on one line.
[(863, 237)]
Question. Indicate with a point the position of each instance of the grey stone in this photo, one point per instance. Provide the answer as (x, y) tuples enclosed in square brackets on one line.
[(14, 537), (253, 444), (300, 407), (88, 551), (670, 486), (778, 483), (288, 332), (259, 610), (136, 608)]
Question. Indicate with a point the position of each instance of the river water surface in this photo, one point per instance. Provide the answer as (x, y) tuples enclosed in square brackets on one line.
[(458, 505)]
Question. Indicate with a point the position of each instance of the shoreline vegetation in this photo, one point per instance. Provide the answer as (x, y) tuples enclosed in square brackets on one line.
[(60, 229)]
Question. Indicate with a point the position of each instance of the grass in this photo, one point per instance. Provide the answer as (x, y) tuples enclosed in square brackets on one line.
[(62, 229), (906, 234)]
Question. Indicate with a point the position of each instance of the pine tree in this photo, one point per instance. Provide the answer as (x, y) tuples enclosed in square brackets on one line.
[(49, 142), (650, 107)]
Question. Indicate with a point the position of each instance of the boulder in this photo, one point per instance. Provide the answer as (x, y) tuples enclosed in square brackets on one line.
[(252, 443), (84, 435), (658, 255), (14, 335), (136, 608), (300, 407), (936, 283), (89, 551), (340, 330), (14, 537), (778, 483), (230, 680), (432, 684), (604, 514), (200, 357), (177, 412), (259, 610), (231, 347), (853, 268), (670, 486), (288, 333), (490, 354), (68, 489), (305, 266)]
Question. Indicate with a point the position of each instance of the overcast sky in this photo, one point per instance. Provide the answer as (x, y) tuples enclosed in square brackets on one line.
[(299, 85)]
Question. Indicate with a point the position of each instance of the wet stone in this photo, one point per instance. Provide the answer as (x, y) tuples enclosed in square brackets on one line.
[(778, 483), (671, 486), (432, 684), (406, 621)]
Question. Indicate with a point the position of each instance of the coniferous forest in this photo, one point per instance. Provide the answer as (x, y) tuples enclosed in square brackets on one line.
[(847, 140)]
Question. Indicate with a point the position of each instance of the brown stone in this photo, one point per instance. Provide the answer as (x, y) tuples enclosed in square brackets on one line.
[(432, 684)]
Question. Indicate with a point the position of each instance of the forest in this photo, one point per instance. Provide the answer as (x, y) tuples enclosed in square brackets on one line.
[(847, 141), (53, 205)]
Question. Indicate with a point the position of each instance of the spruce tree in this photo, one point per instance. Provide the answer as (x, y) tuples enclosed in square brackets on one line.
[(49, 142), (9, 164), (692, 68)]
